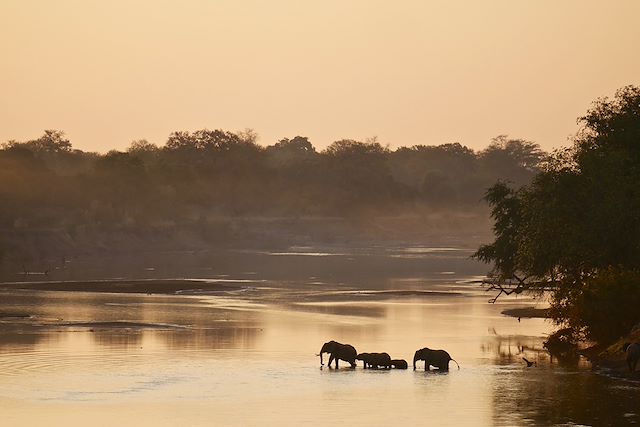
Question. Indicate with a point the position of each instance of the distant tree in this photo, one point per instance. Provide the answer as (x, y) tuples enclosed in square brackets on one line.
[(142, 146), (515, 160), (205, 139), (53, 141), (298, 144), (358, 175), (288, 152), (520, 152), (444, 176)]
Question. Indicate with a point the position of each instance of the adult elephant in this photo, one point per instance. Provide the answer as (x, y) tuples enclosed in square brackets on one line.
[(436, 358), (338, 351)]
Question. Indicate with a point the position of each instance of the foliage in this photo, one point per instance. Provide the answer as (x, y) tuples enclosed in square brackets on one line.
[(578, 219), (608, 302), (207, 173)]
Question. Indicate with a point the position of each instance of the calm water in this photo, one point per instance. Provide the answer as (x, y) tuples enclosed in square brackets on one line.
[(247, 356)]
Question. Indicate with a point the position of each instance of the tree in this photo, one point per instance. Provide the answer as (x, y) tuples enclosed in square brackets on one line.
[(516, 158), (358, 175), (142, 146), (288, 152), (575, 230)]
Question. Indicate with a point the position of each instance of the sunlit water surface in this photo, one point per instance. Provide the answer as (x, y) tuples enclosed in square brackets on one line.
[(248, 356)]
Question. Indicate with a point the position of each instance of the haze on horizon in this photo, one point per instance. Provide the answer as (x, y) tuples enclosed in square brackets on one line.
[(411, 72)]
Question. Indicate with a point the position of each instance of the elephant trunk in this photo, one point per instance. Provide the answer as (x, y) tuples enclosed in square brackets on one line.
[(321, 364), (415, 359)]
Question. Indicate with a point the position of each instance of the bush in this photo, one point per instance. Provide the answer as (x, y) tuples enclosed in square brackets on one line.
[(609, 304)]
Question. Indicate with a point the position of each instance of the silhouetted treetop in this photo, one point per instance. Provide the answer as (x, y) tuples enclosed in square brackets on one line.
[(613, 121), (525, 154), (215, 140), (349, 148)]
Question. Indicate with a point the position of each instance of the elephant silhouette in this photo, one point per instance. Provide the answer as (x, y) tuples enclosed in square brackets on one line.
[(436, 358), (375, 360), (338, 351), (399, 364)]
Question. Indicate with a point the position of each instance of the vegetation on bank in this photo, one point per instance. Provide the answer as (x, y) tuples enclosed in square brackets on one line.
[(575, 229), (202, 182)]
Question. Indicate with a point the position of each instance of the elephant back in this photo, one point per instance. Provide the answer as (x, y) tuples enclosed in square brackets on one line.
[(349, 351)]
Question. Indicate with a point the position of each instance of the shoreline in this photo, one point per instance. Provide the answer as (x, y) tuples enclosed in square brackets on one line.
[(127, 286), (609, 360)]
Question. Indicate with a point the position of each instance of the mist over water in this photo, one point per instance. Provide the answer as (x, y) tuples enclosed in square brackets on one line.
[(245, 354)]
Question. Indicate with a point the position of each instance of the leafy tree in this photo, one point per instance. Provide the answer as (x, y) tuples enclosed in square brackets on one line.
[(575, 230), (516, 158), (53, 141), (357, 174), (290, 151)]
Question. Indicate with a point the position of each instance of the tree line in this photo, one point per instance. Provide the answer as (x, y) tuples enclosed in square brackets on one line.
[(194, 176)]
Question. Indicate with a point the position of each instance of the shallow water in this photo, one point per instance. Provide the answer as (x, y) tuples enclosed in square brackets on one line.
[(247, 356)]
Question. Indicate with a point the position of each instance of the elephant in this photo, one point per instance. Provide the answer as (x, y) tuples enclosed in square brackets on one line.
[(437, 358), (399, 364), (375, 360), (365, 357), (633, 354), (339, 351)]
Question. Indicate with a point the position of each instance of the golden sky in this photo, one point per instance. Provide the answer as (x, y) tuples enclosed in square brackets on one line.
[(407, 71)]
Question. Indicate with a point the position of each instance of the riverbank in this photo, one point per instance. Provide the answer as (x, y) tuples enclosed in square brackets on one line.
[(610, 359)]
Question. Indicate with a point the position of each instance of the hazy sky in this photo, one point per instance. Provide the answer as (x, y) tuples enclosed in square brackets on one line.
[(108, 72)]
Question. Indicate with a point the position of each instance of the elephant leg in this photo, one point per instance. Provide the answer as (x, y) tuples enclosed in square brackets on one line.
[(331, 360), (337, 362)]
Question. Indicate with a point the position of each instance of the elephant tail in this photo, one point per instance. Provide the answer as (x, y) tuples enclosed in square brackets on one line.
[(456, 364)]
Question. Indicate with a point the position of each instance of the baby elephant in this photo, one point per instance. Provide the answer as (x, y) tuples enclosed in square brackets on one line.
[(399, 364), (633, 354), (375, 360)]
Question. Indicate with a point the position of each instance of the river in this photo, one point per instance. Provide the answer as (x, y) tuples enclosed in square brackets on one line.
[(246, 354)]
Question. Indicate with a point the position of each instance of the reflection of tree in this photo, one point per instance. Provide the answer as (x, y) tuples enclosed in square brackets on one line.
[(224, 338), (511, 348), (553, 396), (344, 310), (552, 393), (11, 341), (119, 339)]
